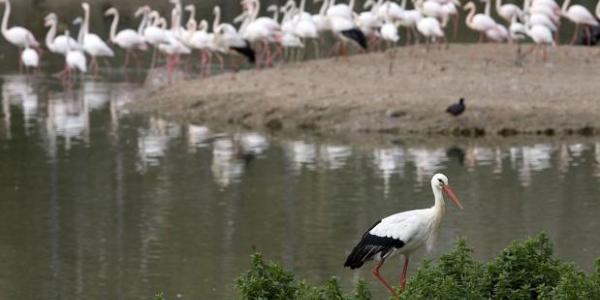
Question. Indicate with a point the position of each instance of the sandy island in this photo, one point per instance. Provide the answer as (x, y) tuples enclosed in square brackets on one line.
[(504, 97)]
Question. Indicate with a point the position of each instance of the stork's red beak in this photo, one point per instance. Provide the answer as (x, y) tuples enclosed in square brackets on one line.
[(446, 189)]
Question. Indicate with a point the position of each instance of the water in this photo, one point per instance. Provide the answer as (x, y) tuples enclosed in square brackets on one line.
[(99, 204)]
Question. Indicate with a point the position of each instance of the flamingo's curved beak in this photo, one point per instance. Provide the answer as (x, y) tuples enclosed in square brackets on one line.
[(446, 189)]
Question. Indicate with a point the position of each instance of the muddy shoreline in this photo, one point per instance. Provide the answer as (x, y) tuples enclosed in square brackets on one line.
[(506, 95)]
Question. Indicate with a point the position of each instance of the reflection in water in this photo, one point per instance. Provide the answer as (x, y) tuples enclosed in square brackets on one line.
[(427, 162), (153, 141), (597, 157), (18, 91), (334, 157), (533, 158), (253, 144), (301, 155), (226, 166), (68, 118), (129, 206), (197, 137), (96, 94), (389, 162)]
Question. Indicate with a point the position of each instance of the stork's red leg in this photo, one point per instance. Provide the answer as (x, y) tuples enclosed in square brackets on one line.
[(380, 278), (403, 279)]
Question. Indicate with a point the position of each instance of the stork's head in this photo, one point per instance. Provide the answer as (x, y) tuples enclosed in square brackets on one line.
[(440, 182)]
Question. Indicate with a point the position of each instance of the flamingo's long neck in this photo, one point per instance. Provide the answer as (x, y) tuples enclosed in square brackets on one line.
[(80, 35), (598, 9), (470, 16), (276, 14), (351, 5), (256, 9), (403, 4), (144, 23), (498, 5), (565, 6), (302, 5), (113, 27), (323, 8), (50, 35), (86, 21), (488, 7), (203, 26), (67, 36), (5, 18), (192, 14), (217, 19)]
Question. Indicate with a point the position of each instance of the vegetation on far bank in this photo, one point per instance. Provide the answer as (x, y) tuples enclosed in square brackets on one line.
[(524, 270)]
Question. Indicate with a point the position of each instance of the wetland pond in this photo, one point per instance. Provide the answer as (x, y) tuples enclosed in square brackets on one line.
[(99, 204)]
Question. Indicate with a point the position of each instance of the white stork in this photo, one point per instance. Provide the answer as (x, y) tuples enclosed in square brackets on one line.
[(402, 233)]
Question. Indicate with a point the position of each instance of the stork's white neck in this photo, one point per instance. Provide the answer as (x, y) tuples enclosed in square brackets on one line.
[(439, 206)]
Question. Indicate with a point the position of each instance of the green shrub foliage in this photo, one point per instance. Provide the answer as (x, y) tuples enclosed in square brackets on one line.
[(524, 270)]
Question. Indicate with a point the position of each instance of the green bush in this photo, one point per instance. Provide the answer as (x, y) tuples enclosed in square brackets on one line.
[(270, 281), (524, 270)]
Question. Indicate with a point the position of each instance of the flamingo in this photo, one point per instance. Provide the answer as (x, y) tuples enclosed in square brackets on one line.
[(29, 57), (289, 40), (173, 48), (340, 10), (507, 11), (579, 15), (478, 22), (597, 11), (389, 33), (17, 35), (261, 30), (431, 28), (305, 28), (517, 32), (403, 233), (389, 30), (127, 39), (57, 44), (409, 21), (92, 43), (227, 37), (542, 37), (370, 23), (320, 19), (155, 33), (342, 24), (74, 58)]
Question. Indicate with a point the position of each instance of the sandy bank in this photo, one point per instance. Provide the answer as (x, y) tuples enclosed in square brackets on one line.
[(504, 97)]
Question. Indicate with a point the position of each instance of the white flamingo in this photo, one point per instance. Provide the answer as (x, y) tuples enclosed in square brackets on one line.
[(92, 43), (431, 28), (155, 33), (579, 15), (128, 39), (261, 30), (30, 57), (478, 22), (17, 35), (227, 37), (57, 44), (74, 58), (305, 28), (542, 37), (507, 11), (320, 19)]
